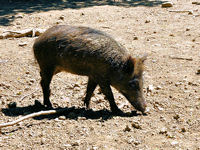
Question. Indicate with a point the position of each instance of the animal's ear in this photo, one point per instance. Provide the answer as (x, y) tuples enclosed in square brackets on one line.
[(144, 57), (129, 65)]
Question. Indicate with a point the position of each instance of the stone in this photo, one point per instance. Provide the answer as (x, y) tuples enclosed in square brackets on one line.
[(127, 129), (150, 88), (167, 4), (136, 125), (23, 44)]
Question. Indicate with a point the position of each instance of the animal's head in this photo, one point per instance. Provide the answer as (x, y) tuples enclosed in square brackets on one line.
[(132, 82)]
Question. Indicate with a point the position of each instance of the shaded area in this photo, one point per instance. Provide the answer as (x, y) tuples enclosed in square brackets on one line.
[(69, 113), (9, 8)]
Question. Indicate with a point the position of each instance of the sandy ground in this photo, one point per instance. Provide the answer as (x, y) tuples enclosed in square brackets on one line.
[(172, 41)]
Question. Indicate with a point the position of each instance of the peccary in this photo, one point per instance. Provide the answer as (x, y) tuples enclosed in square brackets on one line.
[(93, 53)]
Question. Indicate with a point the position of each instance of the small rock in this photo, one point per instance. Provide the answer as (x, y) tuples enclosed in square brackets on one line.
[(147, 21), (19, 93), (158, 87), (61, 118), (162, 118), (23, 44), (135, 38), (136, 142), (32, 80), (150, 88), (130, 141), (183, 129), (160, 108), (177, 84), (57, 119), (136, 125), (163, 130), (62, 17), (176, 117), (43, 140), (174, 143), (67, 145), (82, 118), (167, 4), (154, 61), (127, 129), (58, 22), (19, 16), (94, 147), (76, 143), (190, 12), (197, 3), (198, 72), (187, 29), (170, 135)]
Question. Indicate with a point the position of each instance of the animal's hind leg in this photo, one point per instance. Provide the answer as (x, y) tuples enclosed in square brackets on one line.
[(90, 89), (46, 76)]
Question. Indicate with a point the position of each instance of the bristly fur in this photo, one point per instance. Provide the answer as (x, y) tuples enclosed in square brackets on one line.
[(89, 52)]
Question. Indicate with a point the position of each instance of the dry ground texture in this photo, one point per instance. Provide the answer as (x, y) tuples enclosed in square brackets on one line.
[(171, 79)]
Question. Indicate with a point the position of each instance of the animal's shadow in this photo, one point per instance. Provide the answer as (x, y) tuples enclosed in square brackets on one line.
[(69, 113)]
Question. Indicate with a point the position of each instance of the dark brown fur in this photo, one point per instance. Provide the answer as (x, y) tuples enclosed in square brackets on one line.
[(89, 52)]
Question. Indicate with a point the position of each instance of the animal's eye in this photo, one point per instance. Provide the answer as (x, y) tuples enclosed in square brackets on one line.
[(134, 83)]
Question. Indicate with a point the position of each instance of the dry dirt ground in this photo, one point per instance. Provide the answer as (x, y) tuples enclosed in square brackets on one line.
[(172, 40)]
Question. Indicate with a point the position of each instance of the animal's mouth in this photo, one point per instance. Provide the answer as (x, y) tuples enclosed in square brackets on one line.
[(140, 106)]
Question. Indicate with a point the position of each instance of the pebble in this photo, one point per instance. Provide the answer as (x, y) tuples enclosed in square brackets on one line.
[(160, 108), (163, 130), (158, 87), (61, 117), (43, 140), (94, 147), (162, 118), (19, 16), (135, 38), (154, 61), (178, 83), (170, 135), (23, 44), (198, 72), (147, 21), (61, 17), (77, 143), (82, 118), (150, 88), (190, 12), (176, 117), (183, 129), (187, 29), (67, 145), (174, 143), (127, 129), (136, 125), (136, 142), (197, 3), (167, 4)]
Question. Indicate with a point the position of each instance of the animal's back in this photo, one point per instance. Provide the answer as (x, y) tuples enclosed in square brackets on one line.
[(79, 49)]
